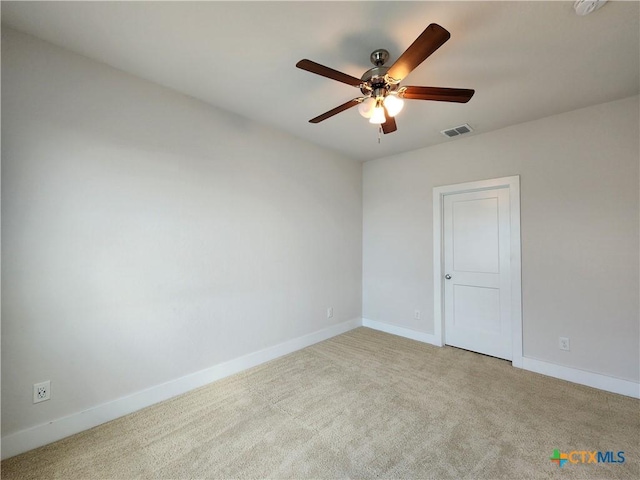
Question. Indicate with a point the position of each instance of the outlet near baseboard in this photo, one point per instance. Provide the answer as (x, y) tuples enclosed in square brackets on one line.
[(41, 391)]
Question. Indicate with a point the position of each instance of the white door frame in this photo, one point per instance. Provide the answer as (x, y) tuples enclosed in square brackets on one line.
[(513, 184)]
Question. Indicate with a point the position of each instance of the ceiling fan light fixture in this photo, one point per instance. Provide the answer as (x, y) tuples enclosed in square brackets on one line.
[(393, 104), (366, 107), (383, 97), (378, 115)]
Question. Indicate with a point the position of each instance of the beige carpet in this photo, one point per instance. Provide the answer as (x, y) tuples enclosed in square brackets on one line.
[(362, 405)]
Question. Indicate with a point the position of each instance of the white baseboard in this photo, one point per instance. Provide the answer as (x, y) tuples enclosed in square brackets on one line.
[(24, 440), (590, 379), (582, 377), (402, 331), (40, 435)]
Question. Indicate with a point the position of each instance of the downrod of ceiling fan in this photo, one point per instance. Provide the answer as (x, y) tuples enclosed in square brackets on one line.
[(379, 57)]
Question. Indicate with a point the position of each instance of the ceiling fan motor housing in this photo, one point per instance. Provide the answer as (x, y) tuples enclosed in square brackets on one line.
[(374, 80)]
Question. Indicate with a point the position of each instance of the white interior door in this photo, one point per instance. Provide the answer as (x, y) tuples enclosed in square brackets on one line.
[(477, 283)]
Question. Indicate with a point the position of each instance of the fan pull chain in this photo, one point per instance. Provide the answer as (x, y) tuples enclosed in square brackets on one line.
[(379, 132)]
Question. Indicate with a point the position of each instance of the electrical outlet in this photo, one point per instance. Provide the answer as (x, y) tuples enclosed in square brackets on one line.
[(41, 391), (330, 312), (416, 314), (564, 343)]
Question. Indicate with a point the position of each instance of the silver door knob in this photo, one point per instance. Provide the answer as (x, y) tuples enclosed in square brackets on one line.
[(447, 276)]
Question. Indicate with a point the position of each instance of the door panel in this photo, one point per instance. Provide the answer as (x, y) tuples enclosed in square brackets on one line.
[(476, 236), (477, 297), (476, 308)]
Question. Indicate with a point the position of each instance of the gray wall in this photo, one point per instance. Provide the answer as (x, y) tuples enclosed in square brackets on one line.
[(146, 236), (579, 223)]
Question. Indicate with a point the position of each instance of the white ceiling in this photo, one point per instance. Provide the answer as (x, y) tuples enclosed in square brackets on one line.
[(526, 60)]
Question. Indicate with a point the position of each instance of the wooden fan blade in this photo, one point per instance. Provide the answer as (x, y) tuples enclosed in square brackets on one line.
[(390, 124), (428, 42), (438, 94), (331, 113), (318, 69)]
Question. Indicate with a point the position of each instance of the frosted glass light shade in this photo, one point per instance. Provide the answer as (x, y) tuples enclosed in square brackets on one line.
[(366, 107), (378, 116), (393, 105)]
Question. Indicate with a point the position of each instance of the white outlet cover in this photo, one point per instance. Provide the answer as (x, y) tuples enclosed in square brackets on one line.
[(564, 343), (330, 312), (41, 391)]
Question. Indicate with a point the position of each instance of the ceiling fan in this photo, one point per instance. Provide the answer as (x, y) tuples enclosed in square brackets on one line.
[(380, 85)]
